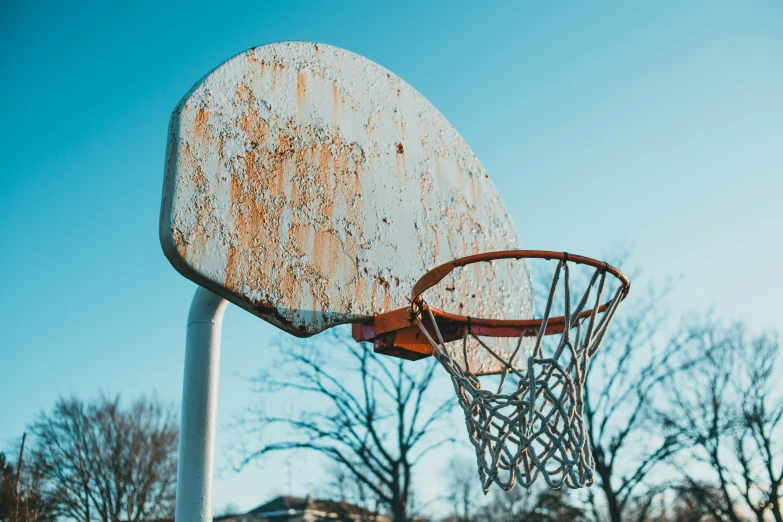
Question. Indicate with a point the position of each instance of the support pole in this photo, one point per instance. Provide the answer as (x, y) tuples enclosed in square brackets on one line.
[(199, 408)]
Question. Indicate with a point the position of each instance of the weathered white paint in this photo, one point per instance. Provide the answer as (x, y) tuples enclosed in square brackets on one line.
[(195, 468), (312, 187)]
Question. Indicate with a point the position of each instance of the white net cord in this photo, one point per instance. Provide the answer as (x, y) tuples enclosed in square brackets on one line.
[(533, 425)]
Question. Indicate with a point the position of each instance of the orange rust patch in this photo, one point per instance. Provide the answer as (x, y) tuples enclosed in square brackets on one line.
[(200, 124), (231, 259), (314, 213), (195, 243), (275, 67), (301, 88), (254, 62), (221, 150), (180, 243), (330, 260)]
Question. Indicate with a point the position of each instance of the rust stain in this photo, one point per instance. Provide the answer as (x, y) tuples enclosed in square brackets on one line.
[(313, 168), (255, 62), (402, 167), (195, 244), (180, 242), (360, 290), (232, 261), (301, 88), (336, 101), (330, 257), (383, 284), (221, 150), (277, 68), (400, 123), (200, 124)]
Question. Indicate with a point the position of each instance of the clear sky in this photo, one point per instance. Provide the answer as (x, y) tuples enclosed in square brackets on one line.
[(654, 124)]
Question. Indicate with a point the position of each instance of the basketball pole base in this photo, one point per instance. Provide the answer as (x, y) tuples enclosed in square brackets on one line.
[(199, 408)]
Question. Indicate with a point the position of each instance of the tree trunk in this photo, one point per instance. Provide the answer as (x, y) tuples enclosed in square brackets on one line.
[(776, 504), (397, 506), (398, 511), (611, 497)]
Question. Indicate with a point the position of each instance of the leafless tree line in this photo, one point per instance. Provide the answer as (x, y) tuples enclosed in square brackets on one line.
[(727, 411), (20, 492), (94, 460)]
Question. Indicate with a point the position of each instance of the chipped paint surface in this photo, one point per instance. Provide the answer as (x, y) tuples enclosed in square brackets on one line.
[(312, 187)]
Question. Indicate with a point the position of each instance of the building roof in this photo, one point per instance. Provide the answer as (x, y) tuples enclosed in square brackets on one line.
[(286, 508), (296, 504)]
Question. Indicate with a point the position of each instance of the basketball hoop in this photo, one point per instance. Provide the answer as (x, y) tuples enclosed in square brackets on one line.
[(536, 428), (314, 233)]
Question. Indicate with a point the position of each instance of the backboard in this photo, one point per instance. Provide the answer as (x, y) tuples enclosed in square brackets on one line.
[(312, 187)]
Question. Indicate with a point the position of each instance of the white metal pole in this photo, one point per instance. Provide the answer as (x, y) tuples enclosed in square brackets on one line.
[(199, 408)]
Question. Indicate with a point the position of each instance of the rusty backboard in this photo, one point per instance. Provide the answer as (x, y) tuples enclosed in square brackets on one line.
[(312, 187)]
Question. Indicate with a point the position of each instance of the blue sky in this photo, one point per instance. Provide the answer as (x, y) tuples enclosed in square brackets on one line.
[(653, 124)]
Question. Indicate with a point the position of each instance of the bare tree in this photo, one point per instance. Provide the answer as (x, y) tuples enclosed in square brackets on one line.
[(758, 441), (367, 413), (692, 504), (730, 411), (100, 461), (343, 487), (463, 490), (635, 361), (22, 496), (539, 504), (8, 481)]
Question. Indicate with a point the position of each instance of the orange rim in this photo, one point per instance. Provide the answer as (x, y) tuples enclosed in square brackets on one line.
[(508, 327)]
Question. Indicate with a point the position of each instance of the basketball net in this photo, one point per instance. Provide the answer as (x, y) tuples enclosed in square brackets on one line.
[(533, 424)]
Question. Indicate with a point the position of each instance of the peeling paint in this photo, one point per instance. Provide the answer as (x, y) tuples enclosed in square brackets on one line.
[(312, 187)]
